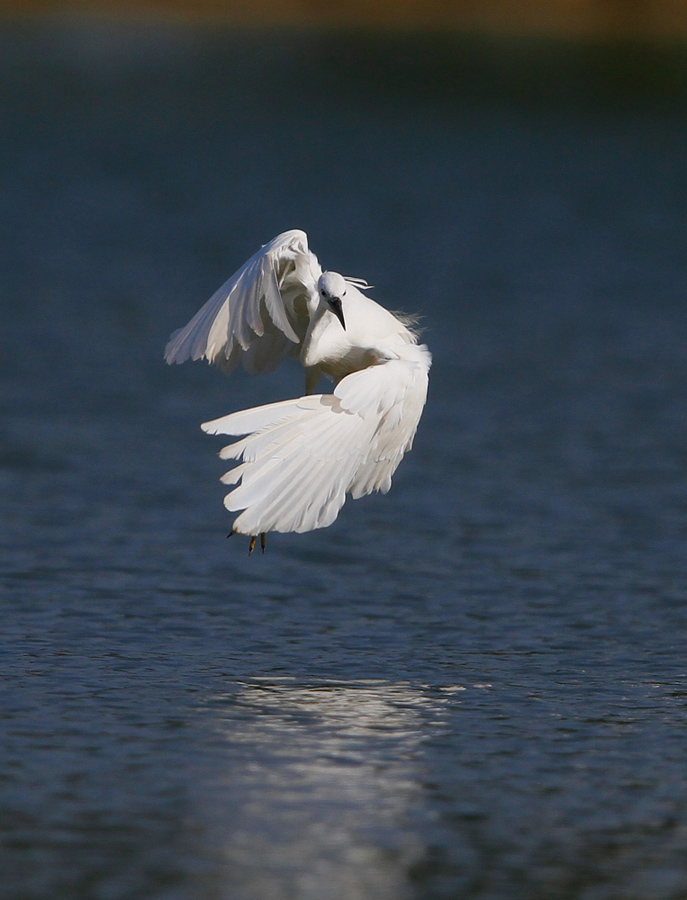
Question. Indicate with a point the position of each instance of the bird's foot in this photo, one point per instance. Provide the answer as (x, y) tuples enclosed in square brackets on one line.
[(263, 541)]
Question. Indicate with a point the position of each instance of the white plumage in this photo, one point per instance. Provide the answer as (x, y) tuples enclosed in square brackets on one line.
[(299, 458)]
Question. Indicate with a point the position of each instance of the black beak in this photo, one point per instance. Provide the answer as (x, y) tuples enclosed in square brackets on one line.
[(335, 304)]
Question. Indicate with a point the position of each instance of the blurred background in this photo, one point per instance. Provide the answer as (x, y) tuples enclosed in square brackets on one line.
[(600, 19), (473, 687)]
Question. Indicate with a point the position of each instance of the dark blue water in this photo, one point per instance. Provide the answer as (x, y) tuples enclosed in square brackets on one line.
[(474, 687)]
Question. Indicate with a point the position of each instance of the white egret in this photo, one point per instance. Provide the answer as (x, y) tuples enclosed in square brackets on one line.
[(299, 458)]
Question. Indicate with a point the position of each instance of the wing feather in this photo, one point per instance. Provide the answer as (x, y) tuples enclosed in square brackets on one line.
[(257, 315), (301, 457)]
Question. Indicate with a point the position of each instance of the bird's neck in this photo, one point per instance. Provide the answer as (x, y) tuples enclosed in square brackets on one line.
[(324, 339)]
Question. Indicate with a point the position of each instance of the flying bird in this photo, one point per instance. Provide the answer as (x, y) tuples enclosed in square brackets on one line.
[(297, 459)]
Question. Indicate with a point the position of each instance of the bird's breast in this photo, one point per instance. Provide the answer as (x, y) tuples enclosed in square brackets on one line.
[(338, 352), (357, 358)]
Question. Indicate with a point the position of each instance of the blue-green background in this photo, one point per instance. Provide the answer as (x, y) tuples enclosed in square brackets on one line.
[(474, 687)]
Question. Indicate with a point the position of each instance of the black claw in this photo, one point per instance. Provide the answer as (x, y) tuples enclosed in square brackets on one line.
[(263, 540)]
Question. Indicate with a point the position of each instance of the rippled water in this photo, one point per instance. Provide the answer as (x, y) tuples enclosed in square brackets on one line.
[(474, 687)]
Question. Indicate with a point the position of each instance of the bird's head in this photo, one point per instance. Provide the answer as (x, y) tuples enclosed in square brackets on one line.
[(332, 290)]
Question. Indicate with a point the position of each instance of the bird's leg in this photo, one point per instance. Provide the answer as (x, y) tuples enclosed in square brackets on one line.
[(263, 540), (252, 544)]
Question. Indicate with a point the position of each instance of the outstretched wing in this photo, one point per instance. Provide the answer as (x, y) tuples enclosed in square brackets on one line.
[(259, 314), (301, 457)]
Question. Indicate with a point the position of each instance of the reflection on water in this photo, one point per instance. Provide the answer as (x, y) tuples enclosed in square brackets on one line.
[(321, 795)]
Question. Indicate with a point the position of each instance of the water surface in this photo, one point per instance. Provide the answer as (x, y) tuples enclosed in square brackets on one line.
[(474, 687)]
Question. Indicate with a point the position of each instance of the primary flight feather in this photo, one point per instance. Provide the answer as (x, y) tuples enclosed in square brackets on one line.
[(299, 458)]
